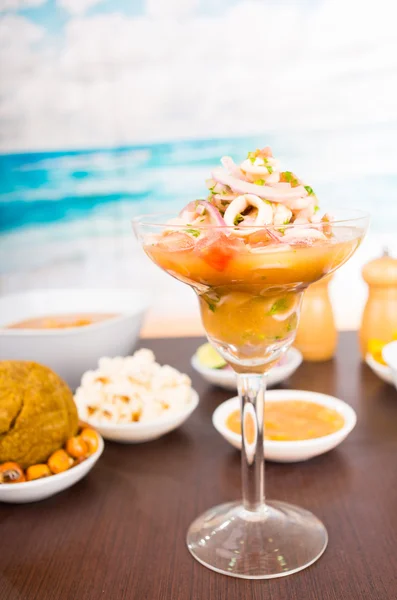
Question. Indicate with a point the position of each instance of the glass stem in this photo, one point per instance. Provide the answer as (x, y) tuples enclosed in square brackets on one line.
[(251, 389)]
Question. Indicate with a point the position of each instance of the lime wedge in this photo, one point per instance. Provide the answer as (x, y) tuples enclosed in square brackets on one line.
[(209, 357)]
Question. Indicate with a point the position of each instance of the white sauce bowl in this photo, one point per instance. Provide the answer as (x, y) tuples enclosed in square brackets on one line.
[(71, 351), (296, 450)]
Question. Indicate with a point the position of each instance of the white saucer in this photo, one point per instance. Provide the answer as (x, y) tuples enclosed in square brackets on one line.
[(226, 378), (297, 450), (382, 371)]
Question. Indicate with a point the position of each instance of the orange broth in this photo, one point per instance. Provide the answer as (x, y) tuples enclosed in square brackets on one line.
[(61, 321), (291, 420)]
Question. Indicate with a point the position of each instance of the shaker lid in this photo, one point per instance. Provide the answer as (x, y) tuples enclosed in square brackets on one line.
[(381, 271)]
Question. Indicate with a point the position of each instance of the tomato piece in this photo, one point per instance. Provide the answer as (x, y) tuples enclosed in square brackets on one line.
[(216, 249)]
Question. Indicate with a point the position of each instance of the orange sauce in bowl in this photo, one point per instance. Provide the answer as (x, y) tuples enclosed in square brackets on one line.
[(291, 420), (61, 321)]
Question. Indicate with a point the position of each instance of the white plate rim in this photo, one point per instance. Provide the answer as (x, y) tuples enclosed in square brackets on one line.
[(160, 421), (378, 368), (56, 477), (389, 354)]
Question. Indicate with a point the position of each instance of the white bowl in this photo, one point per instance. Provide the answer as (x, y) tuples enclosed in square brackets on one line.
[(389, 354), (136, 433), (31, 491), (226, 378), (382, 371), (297, 450), (71, 351)]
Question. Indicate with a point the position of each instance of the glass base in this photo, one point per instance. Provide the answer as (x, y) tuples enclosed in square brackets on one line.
[(279, 540)]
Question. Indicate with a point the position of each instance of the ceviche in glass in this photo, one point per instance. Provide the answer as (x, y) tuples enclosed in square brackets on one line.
[(249, 250)]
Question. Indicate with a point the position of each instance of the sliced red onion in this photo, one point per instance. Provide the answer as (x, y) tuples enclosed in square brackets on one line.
[(198, 208), (283, 186), (187, 213), (232, 168), (263, 191), (213, 213)]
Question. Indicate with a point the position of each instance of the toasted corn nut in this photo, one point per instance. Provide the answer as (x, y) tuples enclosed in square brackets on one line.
[(77, 447), (37, 472), (59, 461), (91, 438), (11, 472)]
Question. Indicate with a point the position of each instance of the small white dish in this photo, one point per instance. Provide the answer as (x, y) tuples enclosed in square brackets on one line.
[(382, 371), (136, 433), (70, 352), (389, 354), (226, 378), (297, 450), (32, 491)]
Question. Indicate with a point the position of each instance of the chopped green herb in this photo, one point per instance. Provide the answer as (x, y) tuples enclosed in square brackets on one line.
[(238, 218), (252, 157), (277, 337), (193, 232), (290, 178), (259, 182), (286, 221), (211, 299), (269, 168), (309, 190), (316, 209), (279, 305), (263, 276)]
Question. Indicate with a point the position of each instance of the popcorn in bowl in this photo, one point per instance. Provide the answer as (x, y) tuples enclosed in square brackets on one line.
[(132, 389)]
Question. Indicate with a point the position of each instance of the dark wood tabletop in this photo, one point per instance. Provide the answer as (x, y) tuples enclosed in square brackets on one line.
[(119, 534)]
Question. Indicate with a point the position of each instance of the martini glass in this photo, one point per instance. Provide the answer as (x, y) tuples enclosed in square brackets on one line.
[(250, 296)]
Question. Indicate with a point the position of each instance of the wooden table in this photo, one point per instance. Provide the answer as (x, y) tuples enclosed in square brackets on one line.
[(120, 533)]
